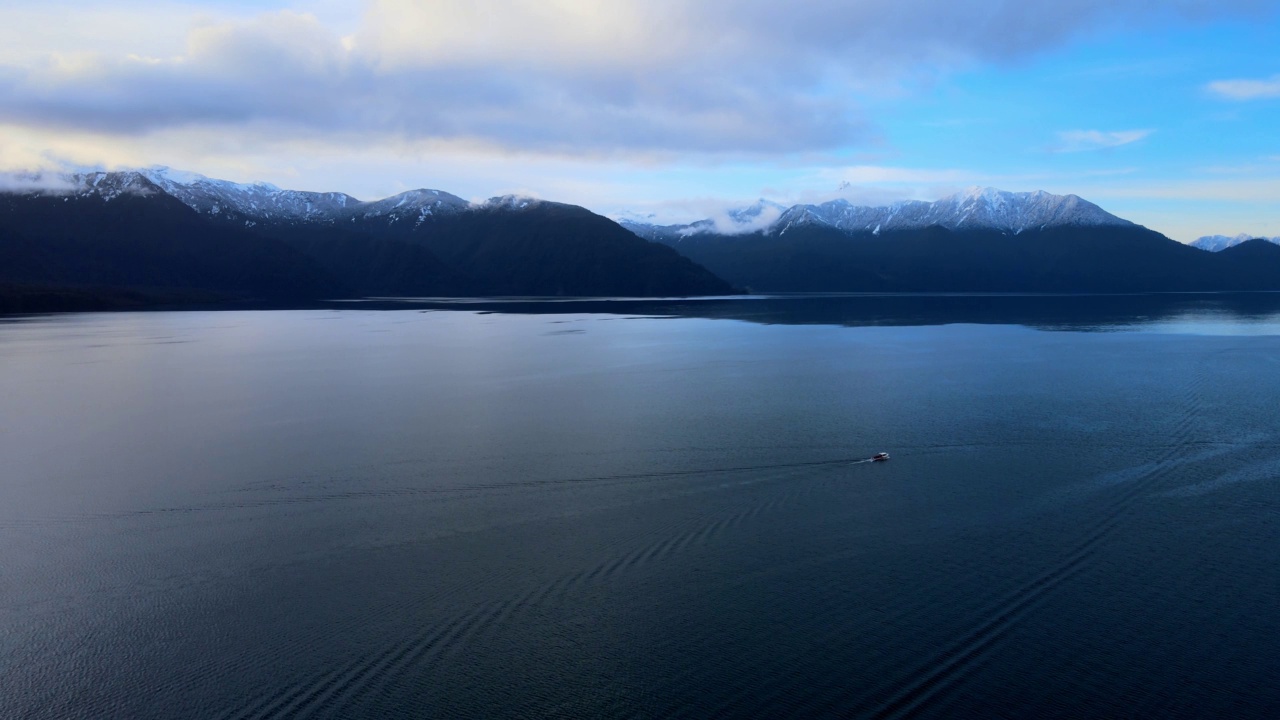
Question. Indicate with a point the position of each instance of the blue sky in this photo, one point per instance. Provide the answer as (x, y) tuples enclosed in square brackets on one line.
[(1163, 113)]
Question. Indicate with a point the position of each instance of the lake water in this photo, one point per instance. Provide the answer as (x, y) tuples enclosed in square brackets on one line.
[(662, 509)]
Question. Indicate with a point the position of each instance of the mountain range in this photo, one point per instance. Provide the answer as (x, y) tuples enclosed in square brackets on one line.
[(138, 237), (160, 236), (979, 240)]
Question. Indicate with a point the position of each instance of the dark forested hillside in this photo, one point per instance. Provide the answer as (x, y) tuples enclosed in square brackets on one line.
[(146, 242), (554, 249), (934, 259), (151, 246)]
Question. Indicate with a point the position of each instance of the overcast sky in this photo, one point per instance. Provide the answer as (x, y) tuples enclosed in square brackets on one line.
[(1165, 113)]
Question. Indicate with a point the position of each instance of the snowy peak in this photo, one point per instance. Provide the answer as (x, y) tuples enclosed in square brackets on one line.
[(111, 185), (1018, 211), (1215, 243), (976, 208), (260, 201), (415, 206), (843, 215)]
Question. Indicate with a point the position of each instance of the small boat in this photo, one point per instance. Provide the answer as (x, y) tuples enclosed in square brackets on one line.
[(879, 457)]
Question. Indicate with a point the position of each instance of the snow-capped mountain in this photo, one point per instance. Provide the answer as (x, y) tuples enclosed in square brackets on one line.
[(262, 203), (1214, 243), (170, 235), (984, 208), (253, 204), (976, 208), (260, 200), (107, 185), (257, 203), (414, 205)]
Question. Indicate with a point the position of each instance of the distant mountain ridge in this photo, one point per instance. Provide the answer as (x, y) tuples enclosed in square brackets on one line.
[(978, 208), (980, 240), (1217, 243), (264, 202), (160, 233)]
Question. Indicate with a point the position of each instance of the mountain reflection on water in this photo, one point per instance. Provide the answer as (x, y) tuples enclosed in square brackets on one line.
[(1194, 313)]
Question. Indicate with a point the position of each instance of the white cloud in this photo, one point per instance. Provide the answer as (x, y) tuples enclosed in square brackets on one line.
[(287, 68), (727, 224), (572, 77), (1082, 140), (1246, 89)]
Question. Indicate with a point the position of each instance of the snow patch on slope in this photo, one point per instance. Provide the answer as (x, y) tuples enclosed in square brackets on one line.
[(262, 201), (416, 206)]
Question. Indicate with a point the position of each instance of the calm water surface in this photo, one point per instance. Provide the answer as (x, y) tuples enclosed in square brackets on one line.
[(644, 510)]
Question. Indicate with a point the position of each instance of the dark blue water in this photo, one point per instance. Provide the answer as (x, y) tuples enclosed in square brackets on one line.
[(590, 511)]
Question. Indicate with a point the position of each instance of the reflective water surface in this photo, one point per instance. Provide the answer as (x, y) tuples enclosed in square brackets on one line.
[(652, 509)]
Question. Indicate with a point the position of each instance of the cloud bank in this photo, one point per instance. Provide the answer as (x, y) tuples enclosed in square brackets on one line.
[(577, 77)]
